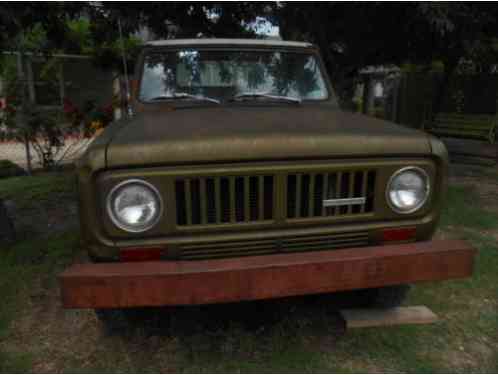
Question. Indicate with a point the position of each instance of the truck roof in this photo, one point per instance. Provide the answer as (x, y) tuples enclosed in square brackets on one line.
[(227, 41)]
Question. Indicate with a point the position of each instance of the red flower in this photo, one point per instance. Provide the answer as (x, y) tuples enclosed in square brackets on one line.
[(69, 107), (9, 109)]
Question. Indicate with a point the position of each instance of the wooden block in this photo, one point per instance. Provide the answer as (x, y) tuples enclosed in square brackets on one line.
[(116, 285), (360, 318)]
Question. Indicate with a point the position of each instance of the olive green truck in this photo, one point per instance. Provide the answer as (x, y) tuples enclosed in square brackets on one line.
[(239, 178)]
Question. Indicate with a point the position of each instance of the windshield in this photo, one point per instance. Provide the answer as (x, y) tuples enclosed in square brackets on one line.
[(225, 75)]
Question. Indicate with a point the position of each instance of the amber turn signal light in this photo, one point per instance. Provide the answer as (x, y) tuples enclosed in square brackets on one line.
[(399, 234), (140, 254)]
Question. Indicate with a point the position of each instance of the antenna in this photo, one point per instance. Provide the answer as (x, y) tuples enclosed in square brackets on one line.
[(129, 110)]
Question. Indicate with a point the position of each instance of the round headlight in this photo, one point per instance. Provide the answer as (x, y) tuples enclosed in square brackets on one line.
[(134, 206), (408, 190)]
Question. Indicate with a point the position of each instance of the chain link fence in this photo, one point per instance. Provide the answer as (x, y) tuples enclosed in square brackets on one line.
[(17, 153), (76, 89)]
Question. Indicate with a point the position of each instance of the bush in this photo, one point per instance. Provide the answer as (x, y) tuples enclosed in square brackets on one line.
[(10, 169)]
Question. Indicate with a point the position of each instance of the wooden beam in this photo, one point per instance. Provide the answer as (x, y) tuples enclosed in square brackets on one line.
[(260, 277), (362, 318)]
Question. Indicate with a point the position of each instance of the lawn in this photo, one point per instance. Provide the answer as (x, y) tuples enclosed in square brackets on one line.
[(291, 335)]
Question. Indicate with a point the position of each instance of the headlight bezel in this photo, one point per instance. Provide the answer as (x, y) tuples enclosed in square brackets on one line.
[(117, 222), (422, 203)]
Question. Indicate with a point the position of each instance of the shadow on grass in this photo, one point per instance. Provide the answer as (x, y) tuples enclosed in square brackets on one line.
[(253, 317)]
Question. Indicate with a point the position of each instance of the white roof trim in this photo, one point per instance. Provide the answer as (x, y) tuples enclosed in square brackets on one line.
[(226, 41)]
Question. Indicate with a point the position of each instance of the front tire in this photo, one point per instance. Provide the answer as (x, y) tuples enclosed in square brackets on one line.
[(387, 297)]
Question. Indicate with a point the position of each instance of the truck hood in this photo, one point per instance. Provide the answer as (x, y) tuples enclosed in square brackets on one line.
[(248, 133)]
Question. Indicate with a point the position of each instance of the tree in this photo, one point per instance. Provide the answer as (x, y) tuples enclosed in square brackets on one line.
[(181, 19), (355, 35), (38, 28), (351, 36), (17, 19), (453, 34)]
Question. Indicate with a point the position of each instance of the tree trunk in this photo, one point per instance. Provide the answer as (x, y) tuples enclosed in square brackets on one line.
[(449, 68), (368, 95)]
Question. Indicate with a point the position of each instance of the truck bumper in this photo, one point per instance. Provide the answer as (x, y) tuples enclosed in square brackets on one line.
[(159, 283)]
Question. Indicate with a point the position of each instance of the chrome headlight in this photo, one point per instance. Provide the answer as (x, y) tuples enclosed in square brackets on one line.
[(134, 205), (408, 190)]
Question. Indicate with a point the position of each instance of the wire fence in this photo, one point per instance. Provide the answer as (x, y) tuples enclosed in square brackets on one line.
[(16, 152)]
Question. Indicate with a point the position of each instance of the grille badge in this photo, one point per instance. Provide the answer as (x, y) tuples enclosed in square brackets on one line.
[(344, 202)]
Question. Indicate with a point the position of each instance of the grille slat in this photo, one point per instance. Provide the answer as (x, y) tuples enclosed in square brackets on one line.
[(364, 189), (311, 208), (218, 245), (226, 249), (232, 208), (351, 191), (247, 199), (324, 246), (188, 201), (250, 199), (306, 193), (217, 192), (324, 191), (228, 254), (224, 200), (241, 249), (261, 198), (338, 191), (203, 197), (312, 243), (337, 237)]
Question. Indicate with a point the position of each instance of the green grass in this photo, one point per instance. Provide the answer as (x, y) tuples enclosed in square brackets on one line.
[(307, 340), (20, 266), (27, 190), (463, 209), (300, 335)]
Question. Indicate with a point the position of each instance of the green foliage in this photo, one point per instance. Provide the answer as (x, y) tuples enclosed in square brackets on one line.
[(10, 169), (108, 54), (24, 190), (46, 130), (352, 36), (16, 21), (78, 37)]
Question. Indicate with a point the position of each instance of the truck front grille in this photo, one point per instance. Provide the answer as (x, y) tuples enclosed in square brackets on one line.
[(227, 249), (306, 193), (220, 200)]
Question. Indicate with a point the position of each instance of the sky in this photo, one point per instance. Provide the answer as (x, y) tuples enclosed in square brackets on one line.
[(263, 27)]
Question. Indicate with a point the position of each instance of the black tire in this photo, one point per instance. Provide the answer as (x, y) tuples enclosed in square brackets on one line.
[(114, 321), (387, 297)]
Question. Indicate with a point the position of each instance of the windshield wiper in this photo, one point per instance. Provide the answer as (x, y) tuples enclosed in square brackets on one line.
[(255, 95), (184, 95)]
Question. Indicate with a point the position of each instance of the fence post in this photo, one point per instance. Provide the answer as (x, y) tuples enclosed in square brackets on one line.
[(20, 116), (366, 94), (395, 100)]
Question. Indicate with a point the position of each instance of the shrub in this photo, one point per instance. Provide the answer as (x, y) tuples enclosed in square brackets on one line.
[(10, 169)]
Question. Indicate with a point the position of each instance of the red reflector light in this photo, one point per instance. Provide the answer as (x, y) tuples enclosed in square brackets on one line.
[(140, 254), (399, 234)]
